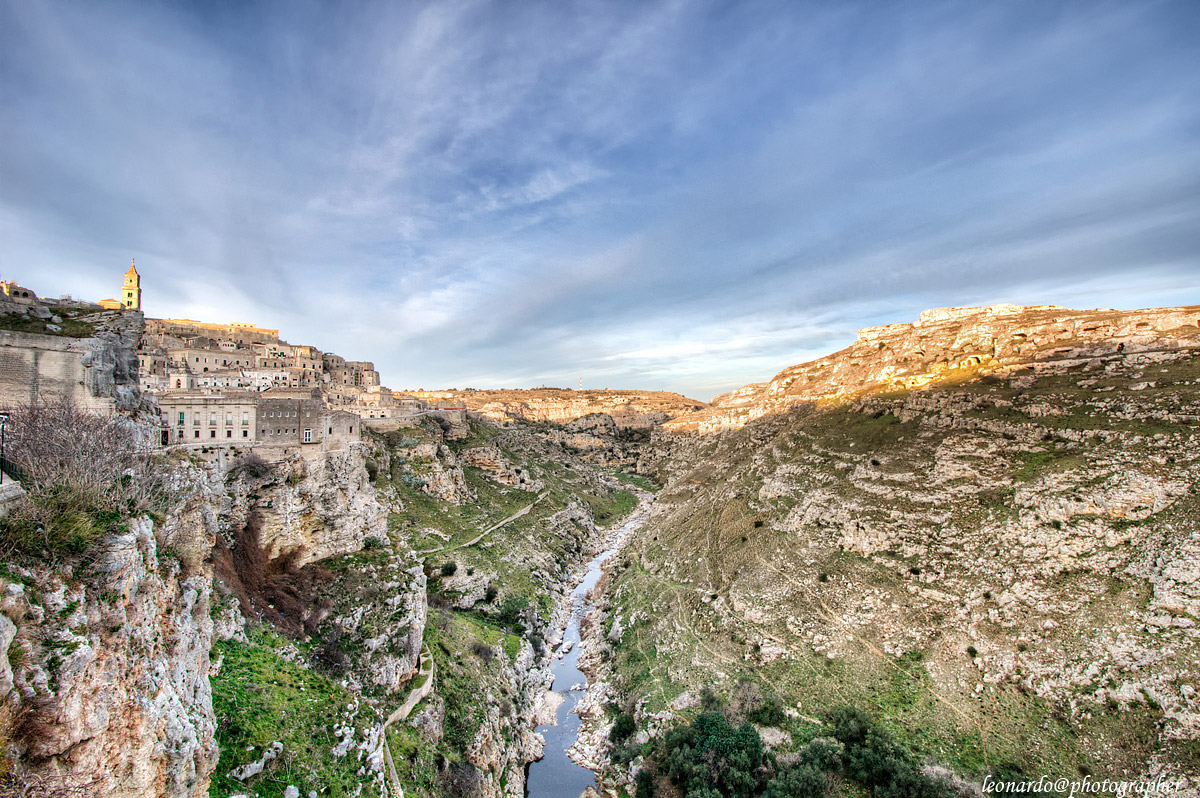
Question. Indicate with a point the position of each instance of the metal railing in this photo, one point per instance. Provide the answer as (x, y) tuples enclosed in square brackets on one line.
[(12, 470)]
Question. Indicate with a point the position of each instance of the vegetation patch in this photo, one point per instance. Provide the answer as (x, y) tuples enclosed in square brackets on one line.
[(260, 698)]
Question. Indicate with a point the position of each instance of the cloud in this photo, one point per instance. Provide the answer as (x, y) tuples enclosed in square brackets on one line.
[(679, 195)]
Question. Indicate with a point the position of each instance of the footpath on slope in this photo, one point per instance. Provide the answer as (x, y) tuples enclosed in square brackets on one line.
[(424, 687), (519, 513)]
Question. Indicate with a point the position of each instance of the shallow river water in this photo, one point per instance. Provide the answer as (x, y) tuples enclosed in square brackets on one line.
[(555, 775)]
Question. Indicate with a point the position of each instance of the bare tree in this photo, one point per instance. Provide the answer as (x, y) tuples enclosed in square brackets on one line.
[(75, 464)]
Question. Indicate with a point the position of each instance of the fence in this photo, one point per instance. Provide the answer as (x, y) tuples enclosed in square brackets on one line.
[(12, 469)]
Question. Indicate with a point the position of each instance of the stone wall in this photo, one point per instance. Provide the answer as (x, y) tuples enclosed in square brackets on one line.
[(98, 373)]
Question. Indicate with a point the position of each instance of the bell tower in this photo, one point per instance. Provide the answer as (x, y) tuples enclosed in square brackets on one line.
[(131, 291)]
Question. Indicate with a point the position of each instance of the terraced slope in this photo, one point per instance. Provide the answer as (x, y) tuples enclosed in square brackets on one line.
[(1005, 570)]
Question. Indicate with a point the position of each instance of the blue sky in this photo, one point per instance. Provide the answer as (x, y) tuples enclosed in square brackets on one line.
[(673, 195)]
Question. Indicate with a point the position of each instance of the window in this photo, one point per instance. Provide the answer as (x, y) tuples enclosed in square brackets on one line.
[(212, 433), (196, 434), (245, 433), (228, 419), (181, 417), (245, 417), (308, 436), (228, 433)]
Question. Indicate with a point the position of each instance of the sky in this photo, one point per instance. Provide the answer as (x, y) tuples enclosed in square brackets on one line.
[(674, 195)]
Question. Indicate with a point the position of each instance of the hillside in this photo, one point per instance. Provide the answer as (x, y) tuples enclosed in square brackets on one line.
[(947, 344), (630, 410), (1004, 567)]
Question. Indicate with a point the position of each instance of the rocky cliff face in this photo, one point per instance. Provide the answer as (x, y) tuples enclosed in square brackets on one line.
[(95, 366), (319, 506), (1004, 567), (109, 658), (110, 669), (953, 344), (630, 410)]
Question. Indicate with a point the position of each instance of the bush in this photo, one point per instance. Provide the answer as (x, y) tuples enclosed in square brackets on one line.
[(645, 784), (252, 465), (448, 568), (770, 712), (512, 611), (712, 755), (622, 729), (710, 759), (372, 543), (372, 470), (490, 594)]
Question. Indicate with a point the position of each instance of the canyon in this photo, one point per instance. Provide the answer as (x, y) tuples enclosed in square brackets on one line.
[(979, 528)]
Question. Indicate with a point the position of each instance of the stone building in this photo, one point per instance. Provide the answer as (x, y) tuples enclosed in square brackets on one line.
[(131, 292), (18, 293), (224, 418), (201, 360), (239, 332), (305, 422)]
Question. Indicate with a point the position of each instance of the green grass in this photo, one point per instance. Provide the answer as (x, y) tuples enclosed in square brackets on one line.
[(260, 698), (1035, 464), (71, 328), (637, 480)]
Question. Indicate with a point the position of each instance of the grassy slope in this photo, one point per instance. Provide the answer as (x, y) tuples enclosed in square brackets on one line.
[(512, 552), (720, 540)]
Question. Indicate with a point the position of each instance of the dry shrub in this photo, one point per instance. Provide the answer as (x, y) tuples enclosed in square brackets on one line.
[(483, 651), (271, 589), (252, 465), (83, 472)]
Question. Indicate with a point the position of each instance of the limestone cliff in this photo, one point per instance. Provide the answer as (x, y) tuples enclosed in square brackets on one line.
[(110, 666), (1003, 567), (947, 344), (630, 410), (95, 366)]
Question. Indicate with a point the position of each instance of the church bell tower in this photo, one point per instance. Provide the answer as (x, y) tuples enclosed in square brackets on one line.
[(131, 292)]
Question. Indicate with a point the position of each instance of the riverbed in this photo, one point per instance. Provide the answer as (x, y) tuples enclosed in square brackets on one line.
[(555, 775)]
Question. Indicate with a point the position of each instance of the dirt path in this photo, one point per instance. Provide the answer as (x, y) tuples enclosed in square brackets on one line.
[(523, 511)]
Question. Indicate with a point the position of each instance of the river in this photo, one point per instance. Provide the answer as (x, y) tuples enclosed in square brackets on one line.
[(555, 775)]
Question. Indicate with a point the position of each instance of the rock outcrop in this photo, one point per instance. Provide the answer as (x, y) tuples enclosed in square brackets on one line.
[(1013, 551), (629, 410), (111, 671), (947, 344)]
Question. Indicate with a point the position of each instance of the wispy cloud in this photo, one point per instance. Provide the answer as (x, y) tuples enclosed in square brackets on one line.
[(681, 195)]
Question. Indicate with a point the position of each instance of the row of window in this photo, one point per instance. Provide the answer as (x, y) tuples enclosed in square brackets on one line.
[(213, 433), (307, 434), (212, 418)]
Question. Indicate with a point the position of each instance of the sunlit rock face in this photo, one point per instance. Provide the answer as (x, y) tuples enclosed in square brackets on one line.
[(946, 344)]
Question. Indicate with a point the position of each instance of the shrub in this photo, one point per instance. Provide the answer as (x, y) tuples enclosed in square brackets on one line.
[(770, 712), (512, 610), (372, 469), (713, 755), (972, 652), (372, 543), (448, 568), (490, 594), (252, 465), (622, 729)]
